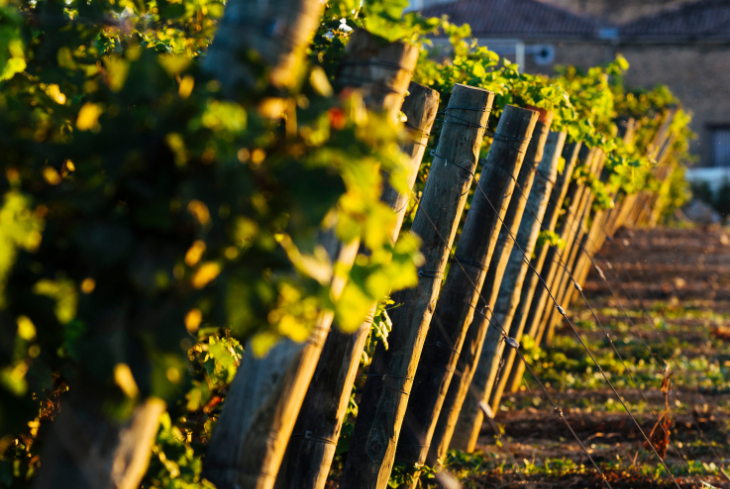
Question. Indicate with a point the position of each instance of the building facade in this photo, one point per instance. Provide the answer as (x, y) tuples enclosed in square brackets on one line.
[(684, 44)]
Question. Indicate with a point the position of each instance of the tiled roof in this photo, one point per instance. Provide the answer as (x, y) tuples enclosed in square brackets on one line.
[(701, 20), (515, 18)]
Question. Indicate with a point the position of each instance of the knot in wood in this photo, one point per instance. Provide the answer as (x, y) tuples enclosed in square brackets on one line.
[(376, 447)]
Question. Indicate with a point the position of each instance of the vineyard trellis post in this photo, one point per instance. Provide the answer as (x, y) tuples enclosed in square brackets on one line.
[(471, 413), (384, 399), (86, 449), (122, 449), (539, 302), (661, 172), (563, 279), (594, 236), (637, 212), (627, 127), (593, 240), (616, 218), (517, 271), (550, 219), (263, 401), (460, 293), (280, 49), (471, 348), (572, 226), (309, 457)]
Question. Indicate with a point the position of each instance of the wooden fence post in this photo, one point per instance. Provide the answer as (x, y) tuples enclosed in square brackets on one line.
[(518, 269), (385, 395), (555, 204), (312, 446), (264, 400), (596, 236), (607, 226), (638, 210), (278, 31), (662, 171), (87, 449), (590, 240), (536, 307), (460, 294), (627, 127), (572, 227), (471, 415), (590, 245), (122, 448), (564, 279), (380, 70)]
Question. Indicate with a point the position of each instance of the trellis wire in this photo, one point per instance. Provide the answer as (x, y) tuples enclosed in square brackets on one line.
[(646, 345), (562, 263), (613, 346), (635, 331), (580, 340), (503, 332)]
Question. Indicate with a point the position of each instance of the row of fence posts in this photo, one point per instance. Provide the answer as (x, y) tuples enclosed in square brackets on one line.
[(283, 412)]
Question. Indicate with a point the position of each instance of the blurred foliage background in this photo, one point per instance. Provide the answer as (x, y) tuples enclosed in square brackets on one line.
[(151, 225)]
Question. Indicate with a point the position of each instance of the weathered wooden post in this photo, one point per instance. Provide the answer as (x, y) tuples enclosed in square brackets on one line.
[(564, 280), (555, 204), (122, 448), (312, 446), (471, 414), (380, 70), (277, 31), (578, 261), (266, 395), (627, 126), (638, 210), (384, 399), (592, 241), (536, 308), (590, 245), (460, 294), (665, 166), (87, 449), (571, 228), (518, 269)]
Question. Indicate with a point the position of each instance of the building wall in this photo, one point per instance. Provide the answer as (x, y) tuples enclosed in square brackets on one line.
[(580, 54), (697, 74)]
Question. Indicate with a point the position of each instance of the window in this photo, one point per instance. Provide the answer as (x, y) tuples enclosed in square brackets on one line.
[(720, 138)]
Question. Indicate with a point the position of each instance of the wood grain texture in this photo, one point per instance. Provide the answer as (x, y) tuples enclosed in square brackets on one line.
[(381, 71), (460, 293), (564, 226), (87, 449), (564, 279), (278, 31), (513, 282), (383, 402), (264, 400), (550, 219), (542, 306), (312, 446), (470, 417)]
